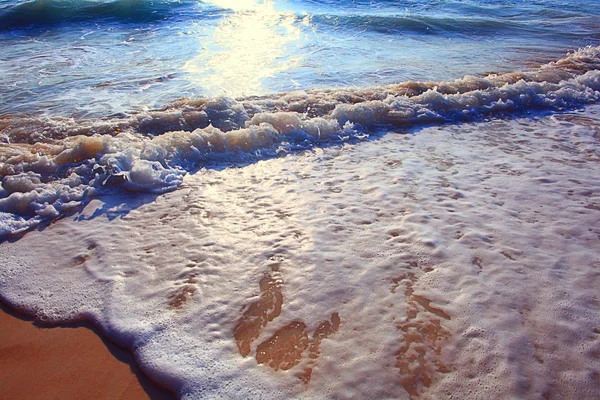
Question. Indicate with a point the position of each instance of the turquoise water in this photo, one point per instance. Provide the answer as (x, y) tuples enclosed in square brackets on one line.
[(96, 58)]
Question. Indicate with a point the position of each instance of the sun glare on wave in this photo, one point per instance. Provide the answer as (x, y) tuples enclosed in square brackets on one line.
[(247, 47)]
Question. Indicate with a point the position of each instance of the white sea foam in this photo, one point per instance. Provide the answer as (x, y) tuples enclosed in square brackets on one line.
[(461, 262), (152, 151)]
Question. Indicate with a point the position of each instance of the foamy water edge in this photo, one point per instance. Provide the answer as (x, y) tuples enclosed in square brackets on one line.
[(52, 165)]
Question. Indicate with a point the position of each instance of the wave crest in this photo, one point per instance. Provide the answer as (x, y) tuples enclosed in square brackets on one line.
[(48, 166), (44, 13)]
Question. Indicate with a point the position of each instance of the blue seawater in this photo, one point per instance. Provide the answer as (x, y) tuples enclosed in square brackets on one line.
[(92, 58), (135, 94)]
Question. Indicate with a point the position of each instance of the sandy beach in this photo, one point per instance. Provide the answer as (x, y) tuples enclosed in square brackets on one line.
[(458, 259), (66, 362)]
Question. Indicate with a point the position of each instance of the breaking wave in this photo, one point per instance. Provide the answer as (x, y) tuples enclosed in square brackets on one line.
[(424, 25), (45, 13), (48, 166)]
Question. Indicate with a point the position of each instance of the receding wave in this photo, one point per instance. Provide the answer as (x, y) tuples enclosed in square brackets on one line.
[(44, 13), (49, 166)]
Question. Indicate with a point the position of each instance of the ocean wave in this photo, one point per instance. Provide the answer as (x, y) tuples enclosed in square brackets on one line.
[(45, 13), (48, 166), (420, 24)]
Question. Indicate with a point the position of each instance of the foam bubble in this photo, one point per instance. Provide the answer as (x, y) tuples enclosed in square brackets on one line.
[(152, 151)]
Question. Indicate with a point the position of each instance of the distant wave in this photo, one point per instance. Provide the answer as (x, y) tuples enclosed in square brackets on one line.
[(419, 24), (51, 165), (453, 26), (44, 13)]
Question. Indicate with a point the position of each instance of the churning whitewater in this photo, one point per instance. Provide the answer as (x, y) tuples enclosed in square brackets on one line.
[(52, 165)]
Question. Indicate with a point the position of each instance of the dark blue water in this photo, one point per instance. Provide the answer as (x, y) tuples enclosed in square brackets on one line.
[(95, 58)]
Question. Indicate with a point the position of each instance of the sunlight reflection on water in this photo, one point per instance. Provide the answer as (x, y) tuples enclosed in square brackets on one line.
[(250, 45)]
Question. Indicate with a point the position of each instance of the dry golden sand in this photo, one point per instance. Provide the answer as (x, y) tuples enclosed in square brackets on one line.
[(66, 363)]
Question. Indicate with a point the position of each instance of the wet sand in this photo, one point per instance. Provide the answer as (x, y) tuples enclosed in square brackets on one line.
[(66, 362)]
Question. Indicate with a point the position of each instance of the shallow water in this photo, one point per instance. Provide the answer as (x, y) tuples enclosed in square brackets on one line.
[(94, 58), (53, 165), (459, 261), (310, 199)]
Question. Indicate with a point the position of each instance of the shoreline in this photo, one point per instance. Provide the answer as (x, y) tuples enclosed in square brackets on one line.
[(67, 361), (475, 243)]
